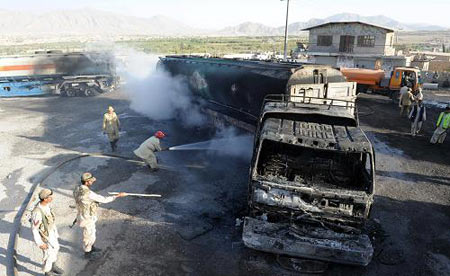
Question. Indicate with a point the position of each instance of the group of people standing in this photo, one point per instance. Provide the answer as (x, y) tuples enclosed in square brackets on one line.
[(416, 111), (43, 224), (412, 103)]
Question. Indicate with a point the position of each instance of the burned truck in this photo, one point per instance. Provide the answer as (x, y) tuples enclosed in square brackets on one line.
[(312, 174), (311, 182), (57, 73)]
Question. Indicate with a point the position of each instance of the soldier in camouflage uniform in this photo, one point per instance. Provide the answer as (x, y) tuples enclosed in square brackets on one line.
[(87, 203), (45, 233), (111, 125)]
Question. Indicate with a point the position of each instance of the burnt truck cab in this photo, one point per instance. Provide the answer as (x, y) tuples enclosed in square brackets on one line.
[(312, 176)]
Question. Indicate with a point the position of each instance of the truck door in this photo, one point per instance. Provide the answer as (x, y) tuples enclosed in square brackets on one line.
[(396, 80)]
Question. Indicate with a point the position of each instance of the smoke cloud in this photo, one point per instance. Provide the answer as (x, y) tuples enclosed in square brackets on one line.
[(226, 141), (158, 95), (230, 141), (154, 92)]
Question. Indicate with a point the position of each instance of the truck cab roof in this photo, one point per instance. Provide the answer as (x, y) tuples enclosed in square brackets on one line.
[(407, 69), (316, 135), (326, 124), (337, 111)]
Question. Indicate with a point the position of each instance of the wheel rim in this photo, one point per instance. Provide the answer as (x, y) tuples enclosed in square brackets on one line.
[(89, 92)]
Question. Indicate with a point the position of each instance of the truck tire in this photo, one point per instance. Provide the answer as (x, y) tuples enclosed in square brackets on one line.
[(362, 88), (68, 93), (90, 92), (71, 92)]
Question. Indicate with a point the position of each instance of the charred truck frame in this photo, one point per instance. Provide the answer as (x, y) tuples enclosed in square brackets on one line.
[(312, 174), (54, 72)]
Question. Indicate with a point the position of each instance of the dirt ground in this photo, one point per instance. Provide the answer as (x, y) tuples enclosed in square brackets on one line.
[(192, 229)]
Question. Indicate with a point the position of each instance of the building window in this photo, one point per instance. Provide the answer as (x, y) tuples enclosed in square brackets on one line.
[(324, 40), (366, 41), (346, 44)]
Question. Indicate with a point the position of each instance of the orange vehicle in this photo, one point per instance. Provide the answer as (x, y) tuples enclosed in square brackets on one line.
[(377, 82)]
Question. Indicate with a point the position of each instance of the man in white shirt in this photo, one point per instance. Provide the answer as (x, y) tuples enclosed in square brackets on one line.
[(419, 95), (87, 203), (417, 116), (45, 233)]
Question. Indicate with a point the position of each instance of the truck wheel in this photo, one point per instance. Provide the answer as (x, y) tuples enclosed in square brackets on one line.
[(90, 92), (362, 88), (70, 93)]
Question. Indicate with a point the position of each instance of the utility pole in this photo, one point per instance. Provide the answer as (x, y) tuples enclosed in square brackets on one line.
[(286, 30)]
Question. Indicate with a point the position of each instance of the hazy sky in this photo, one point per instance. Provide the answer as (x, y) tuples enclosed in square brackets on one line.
[(221, 13)]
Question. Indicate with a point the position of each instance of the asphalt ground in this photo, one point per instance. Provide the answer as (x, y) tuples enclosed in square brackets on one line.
[(192, 229)]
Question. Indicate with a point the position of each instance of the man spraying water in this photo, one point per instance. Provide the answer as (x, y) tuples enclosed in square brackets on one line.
[(146, 150), (234, 146)]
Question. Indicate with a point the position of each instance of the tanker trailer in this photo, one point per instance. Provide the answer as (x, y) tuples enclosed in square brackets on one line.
[(65, 74)]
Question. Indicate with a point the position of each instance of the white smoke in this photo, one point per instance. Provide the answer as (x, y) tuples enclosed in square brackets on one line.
[(155, 93), (226, 141), (230, 141), (160, 96)]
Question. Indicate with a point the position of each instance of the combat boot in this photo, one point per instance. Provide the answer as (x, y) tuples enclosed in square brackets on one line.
[(95, 249), (57, 269), (91, 255)]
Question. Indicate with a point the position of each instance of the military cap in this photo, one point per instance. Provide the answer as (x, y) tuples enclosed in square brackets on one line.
[(45, 193), (87, 176)]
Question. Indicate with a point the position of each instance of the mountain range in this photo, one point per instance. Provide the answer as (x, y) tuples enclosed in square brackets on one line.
[(88, 21), (95, 22), (251, 28)]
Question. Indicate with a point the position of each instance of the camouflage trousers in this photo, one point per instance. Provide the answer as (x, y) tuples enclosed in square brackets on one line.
[(50, 254), (89, 235)]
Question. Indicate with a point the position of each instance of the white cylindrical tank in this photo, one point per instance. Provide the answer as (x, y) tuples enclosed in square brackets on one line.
[(430, 86)]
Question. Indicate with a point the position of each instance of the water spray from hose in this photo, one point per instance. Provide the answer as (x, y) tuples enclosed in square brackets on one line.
[(239, 145)]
